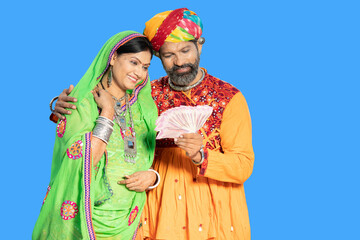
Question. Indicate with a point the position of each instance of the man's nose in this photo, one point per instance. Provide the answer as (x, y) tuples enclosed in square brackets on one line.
[(179, 61)]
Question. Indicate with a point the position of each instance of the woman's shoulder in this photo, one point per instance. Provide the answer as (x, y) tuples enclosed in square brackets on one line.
[(87, 104)]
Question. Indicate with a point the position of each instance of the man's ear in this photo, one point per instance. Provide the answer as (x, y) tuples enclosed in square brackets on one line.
[(199, 46)]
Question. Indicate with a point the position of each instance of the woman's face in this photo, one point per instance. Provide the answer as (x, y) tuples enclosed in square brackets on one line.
[(129, 69)]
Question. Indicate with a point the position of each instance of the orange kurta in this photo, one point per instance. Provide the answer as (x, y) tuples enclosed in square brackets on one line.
[(209, 201)]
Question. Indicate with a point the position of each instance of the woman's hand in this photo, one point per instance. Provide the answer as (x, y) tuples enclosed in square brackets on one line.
[(139, 181), (104, 101)]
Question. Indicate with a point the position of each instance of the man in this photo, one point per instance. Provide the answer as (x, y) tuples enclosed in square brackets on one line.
[(201, 193)]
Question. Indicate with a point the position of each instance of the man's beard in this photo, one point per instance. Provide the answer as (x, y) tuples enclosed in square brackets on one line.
[(183, 79)]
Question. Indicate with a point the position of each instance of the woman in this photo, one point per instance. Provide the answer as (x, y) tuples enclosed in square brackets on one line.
[(108, 139)]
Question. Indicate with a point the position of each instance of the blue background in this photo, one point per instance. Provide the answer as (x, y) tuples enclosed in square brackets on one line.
[(296, 62)]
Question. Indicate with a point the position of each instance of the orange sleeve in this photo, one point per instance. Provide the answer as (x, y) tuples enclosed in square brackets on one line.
[(235, 165)]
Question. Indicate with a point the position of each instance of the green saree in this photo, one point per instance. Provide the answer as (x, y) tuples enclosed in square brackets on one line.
[(84, 202)]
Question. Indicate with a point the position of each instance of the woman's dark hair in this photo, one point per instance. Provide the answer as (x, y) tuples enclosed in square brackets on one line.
[(136, 45)]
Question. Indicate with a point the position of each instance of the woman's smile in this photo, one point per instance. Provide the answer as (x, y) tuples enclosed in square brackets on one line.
[(133, 79)]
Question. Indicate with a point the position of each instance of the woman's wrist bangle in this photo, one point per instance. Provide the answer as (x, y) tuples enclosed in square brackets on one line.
[(105, 120), (51, 103), (103, 129), (157, 179)]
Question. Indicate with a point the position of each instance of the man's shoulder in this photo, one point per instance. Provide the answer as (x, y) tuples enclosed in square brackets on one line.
[(160, 82), (221, 86)]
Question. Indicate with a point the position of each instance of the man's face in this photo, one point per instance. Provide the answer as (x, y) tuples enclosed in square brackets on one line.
[(180, 61)]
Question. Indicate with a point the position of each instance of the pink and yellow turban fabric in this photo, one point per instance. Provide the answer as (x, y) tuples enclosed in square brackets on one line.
[(178, 25)]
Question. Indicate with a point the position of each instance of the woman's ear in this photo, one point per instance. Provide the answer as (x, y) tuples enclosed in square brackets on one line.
[(113, 58)]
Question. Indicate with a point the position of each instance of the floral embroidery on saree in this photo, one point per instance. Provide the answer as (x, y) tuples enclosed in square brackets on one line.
[(69, 210), (75, 150), (60, 128)]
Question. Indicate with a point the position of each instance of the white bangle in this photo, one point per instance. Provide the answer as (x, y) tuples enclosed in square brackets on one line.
[(158, 179)]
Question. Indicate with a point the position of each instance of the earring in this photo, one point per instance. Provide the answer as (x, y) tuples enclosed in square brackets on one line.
[(109, 77), (201, 40)]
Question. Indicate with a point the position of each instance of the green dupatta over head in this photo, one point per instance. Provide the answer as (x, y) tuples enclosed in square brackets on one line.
[(75, 187)]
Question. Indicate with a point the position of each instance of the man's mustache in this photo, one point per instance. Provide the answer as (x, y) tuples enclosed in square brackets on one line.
[(174, 68)]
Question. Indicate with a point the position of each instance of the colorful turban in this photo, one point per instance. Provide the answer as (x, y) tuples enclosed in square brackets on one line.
[(178, 25)]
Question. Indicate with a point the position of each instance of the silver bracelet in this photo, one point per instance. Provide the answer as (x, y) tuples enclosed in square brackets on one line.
[(158, 179), (105, 120), (202, 156), (51, 103), (103, 129)]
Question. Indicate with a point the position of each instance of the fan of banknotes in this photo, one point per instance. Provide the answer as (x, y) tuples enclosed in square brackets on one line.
[(184, 119)]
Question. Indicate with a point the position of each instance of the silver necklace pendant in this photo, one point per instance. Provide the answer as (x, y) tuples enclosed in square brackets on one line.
[(127, 132), (129, 142), (130, 149)]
